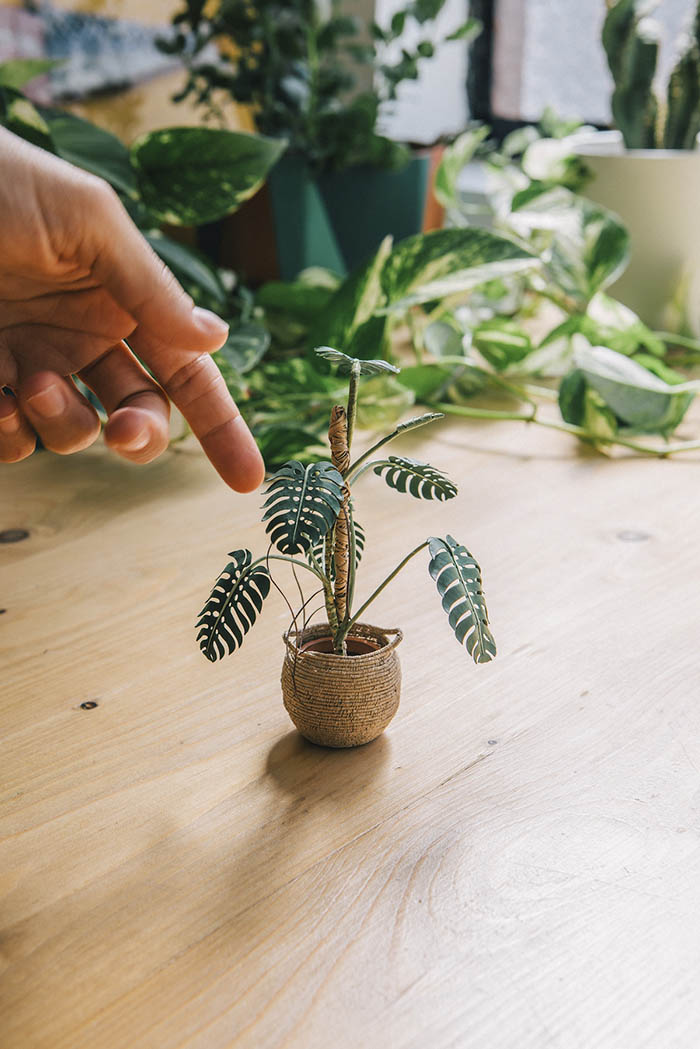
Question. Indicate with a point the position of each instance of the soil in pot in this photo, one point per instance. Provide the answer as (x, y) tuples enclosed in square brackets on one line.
[(342, 701)]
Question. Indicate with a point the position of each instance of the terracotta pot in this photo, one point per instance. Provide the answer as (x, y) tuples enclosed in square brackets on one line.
[(341, 701)]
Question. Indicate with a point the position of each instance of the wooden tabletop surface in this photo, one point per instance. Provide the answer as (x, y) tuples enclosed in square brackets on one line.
[(514, 865)]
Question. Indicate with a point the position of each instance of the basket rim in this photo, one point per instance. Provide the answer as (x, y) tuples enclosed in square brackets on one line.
[(364, 630)]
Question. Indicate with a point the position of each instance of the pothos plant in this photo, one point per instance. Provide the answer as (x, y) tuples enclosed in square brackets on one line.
[(298, 65), (310, 522)]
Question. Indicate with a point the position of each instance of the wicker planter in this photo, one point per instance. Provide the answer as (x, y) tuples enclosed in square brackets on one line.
[(342, 701)]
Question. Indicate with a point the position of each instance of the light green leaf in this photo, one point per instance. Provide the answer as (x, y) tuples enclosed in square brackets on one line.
[(454, 159), (245, 347), (17, 72), (501, 342), (191, 175)]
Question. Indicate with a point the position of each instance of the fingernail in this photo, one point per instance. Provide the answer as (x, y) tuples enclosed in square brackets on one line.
[(48, 403), (9, 423), (139, 441), (210, 323)]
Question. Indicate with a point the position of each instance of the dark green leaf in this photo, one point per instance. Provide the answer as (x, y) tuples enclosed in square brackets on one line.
[(302, 504), (233, 606), (192, 269), (93, 149), (458, 580), (419, 479), (21, 116), (191, 175)]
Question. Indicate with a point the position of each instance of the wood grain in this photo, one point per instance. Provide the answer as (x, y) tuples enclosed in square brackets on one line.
[(514, 864)]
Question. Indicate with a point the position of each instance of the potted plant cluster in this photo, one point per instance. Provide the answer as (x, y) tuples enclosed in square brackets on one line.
[(341, 679), (648, 170), (320, 78)]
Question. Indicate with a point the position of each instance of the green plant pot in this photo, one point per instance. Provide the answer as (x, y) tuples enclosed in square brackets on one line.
[(337, 220)]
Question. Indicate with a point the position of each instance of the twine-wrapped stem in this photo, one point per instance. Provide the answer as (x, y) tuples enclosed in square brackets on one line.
[(340, 536)]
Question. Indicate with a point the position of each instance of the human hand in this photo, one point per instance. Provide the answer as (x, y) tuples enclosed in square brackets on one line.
[(76, 280)]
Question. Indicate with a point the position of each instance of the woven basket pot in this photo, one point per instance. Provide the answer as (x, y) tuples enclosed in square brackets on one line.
[(342, 701)]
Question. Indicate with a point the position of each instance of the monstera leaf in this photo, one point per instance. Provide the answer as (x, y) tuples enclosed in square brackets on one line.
[(345, 363), (302, 504), (420, 479), (458, 579), (233, 606)]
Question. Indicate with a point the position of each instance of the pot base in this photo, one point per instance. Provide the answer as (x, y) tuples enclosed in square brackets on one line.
[(342, 701)]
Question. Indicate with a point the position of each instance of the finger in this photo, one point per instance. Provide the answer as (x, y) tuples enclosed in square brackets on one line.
[(140, 283), (199, 391), (138, 408), (63, 418), (173, 337), (17, 439)]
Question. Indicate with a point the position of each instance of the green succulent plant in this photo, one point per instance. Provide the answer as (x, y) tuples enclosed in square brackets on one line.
[(310, 521), (631, 41)]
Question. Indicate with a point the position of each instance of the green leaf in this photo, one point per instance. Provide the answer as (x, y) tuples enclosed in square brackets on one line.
[(458, 580), (419, 479), (22, 118), (19, 71), (233, 606), (634, 394), (454, 159), (193, 270), (345, 363), (302, 504), (449, 261), (92, 148), (572, 392), (245, 347), (588, 246), (351, 311), (297, 298), (191, 175), (441, 339), (501, 342), (468, 31)]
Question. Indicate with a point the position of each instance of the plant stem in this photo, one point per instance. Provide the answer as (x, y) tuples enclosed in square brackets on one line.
[(574, 431), (351, 622), (352, 400), (410, 424)]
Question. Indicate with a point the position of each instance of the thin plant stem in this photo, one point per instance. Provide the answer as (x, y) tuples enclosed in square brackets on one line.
[(574, 431), (352, 400), (410, 424), (351, 622)]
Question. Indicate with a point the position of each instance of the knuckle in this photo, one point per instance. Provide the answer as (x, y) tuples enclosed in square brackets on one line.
[(198, 378)]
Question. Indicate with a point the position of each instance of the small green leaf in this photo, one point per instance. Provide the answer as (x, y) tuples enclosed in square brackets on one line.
[(245, 347), (458, 580), (233, 606), (191, 175), (501, 342), (345, 363), (192, 269), (419, 479)]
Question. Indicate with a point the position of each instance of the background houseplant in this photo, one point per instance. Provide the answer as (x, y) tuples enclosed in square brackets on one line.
[(649, 171), (341, 681), (342, 185)]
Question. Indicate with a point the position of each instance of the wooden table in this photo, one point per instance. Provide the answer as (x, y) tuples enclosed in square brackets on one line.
[(514, 865)]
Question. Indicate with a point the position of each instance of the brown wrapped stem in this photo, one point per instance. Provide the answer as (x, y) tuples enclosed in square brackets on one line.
[(338, 439), (340, 457)]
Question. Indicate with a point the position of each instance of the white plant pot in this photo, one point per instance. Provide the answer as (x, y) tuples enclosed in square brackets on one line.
[(656, 193)]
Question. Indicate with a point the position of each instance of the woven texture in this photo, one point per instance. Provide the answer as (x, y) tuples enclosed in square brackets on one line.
[(342, 701)]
